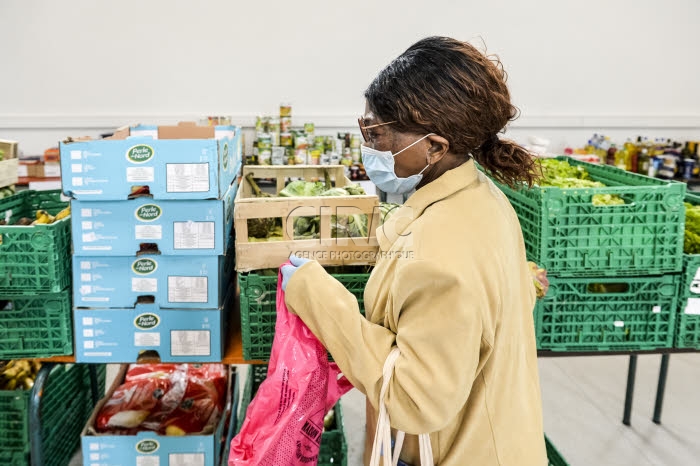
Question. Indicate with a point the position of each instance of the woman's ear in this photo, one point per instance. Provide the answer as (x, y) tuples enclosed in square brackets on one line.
[(439, 147)]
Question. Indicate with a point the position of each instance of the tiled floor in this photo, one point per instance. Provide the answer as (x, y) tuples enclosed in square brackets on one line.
[(583, 403)]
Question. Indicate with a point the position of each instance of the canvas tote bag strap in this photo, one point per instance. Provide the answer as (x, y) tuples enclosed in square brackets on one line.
[(382, 436)]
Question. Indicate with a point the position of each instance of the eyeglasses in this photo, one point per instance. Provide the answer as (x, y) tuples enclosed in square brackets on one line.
[(364, 128)]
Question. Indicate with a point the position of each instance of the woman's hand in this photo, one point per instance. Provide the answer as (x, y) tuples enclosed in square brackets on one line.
[(288, 270)]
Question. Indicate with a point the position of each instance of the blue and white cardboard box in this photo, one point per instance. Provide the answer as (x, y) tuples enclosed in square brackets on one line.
[(177, 335), (120, 228), (177, 282), (175, 162), (150, 448)]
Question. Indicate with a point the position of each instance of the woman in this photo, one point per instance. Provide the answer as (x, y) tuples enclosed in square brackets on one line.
[(451, 287)]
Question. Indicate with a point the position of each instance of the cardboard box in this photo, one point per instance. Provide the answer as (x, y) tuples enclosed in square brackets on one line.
[(120, 228), (10, 149), (37, 169), (149, 448), (175, 162), (176, 282), (122, 335), (8, 172)]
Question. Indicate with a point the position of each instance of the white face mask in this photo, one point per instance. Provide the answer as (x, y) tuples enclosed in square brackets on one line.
[(379, 166)]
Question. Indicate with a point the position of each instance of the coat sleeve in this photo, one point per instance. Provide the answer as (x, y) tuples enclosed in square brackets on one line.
[(438, 324)]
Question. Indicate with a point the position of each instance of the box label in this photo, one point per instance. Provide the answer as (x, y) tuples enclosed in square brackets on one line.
[(187, 289), (148, 213), (146, 321), (147, 446), (140, 153), (144, 266), (148, 231), (140, 174), (190, 343), (187, 177), (186, 459), (194, 235), (147, 461), (144, 285), (146, 339)]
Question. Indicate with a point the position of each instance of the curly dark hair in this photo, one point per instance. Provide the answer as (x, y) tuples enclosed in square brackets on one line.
[(444, 86)]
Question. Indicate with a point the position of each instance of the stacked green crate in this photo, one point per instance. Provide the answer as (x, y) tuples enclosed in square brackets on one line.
[(66, 403), (35, 278), (613, 269), (688, 328), (334, 447), (258, 304)]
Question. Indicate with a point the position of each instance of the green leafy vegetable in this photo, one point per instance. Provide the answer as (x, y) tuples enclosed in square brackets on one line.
[(300, 188), (691, 242), (561, 174)]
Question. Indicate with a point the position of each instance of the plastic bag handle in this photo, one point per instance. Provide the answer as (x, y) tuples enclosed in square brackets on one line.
[(382, 434)]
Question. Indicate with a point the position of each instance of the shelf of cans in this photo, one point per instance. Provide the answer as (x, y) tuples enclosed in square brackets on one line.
[(658, 158), (278, 142)]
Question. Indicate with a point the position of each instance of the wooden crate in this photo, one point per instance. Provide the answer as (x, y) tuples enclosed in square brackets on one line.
[(326, 250), (9, 163)]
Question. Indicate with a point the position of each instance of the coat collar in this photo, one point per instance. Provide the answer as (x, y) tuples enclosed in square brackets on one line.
[(449, 183)]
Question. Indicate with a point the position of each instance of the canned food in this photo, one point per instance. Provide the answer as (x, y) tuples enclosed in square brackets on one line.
[(265, 141), (278, 155), (320, 142), (301, 156), (275, 138), (325, 159), (285, 110), (334, 158), (289, 153), (309, 128), (688, 166), (286, 140), (355, 141), (300, 142), (285, 124), (356, 155), (259, 125), (265, 156)]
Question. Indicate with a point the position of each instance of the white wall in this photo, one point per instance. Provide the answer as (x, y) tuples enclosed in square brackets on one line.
[(575, 67)]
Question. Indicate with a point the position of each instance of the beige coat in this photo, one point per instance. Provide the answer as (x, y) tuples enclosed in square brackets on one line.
[(453, 291)]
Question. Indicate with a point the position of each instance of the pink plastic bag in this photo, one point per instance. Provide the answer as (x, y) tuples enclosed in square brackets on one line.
[(284, 420)]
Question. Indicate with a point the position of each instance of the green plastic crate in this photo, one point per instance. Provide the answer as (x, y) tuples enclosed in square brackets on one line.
[(603, 314), (36, 326), (553, 456), (34, 259), (569, 236), (334, 446), (66, 405), (61, 428), (258, 302), (688, 328)]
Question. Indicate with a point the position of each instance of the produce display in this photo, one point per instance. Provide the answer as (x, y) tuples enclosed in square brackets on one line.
[(170, 399), (42, 217), (342, 226), (6, 191), (691, 243), (561, 174), (539, 278), (18, 374)]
